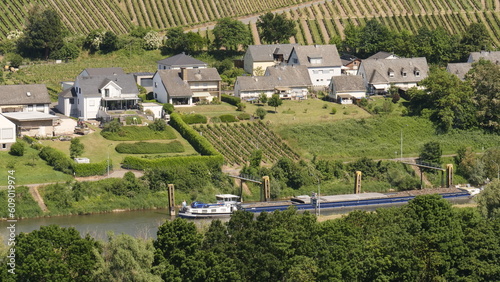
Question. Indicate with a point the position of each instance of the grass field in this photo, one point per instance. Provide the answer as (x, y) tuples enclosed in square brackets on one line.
[(29, 169)]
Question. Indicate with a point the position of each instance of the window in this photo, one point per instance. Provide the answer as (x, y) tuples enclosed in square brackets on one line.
[(404, 74), (295, 61), (417, 73), (92, 103), (4, 146), (315, 71), (30, 108), (156, 84), (106, 92), (156, 96), (71, 101), (205, 84), (7, 133), (40, 107)]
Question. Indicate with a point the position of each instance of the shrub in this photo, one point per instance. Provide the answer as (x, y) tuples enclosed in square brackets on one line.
[(158, 125), (168, 108), (100, 168), (30, 140), (133, 120), (228, 118), (17, 149), (230, 99), (57, 159), (325, 106), (244, 116), (260, 112), (212, 162), (194, 118), (149, 148), (241, 106), (215, 119), (128, 133), (334, 111), (199, 143), (112, 126)]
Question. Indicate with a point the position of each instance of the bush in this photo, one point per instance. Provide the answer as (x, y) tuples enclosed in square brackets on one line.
[(100, 168), (241, 107), (194, 118), (334, 111), (228, 118), (112, 126), (168, 108), (129, 133), (199, 143), (17, 149), (244, 116), (158, 125), (215, 119), (30, 140), (260, 112), (230, 99), (57, 159), (212, 162), (149, 148)]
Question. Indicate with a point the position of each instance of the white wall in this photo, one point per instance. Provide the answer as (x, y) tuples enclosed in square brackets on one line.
[(7, 131), (159, 91), (321, 76)]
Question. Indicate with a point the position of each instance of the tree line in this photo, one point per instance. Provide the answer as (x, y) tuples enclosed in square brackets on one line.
[(425, 240)]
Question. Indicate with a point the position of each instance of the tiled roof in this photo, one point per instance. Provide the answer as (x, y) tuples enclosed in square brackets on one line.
[(24, 94), (345, 83), (378, 70), (328, 54), (104, 71), (90, 85), (176, 87), (277, 76), (459, 69), (264, 53), (181, 60)]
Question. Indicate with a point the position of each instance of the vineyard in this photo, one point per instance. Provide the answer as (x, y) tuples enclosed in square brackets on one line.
[(237, 141), (316, 23)]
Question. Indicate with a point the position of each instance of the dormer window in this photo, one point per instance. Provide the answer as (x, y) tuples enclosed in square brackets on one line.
[(315, 59), (390, 72), (416, 72)]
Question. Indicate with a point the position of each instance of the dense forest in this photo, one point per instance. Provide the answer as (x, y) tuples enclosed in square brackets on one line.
[(425, 240)]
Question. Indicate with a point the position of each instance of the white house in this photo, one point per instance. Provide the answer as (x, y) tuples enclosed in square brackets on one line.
[(290, 82), (322, 62), (258, 57), (91, 94), (347, 88), (155, 108), (186, 86), (403, 73), (181, 61), (7, 133)]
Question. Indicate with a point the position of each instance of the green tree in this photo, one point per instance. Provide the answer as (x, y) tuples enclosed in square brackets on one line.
[(352, 41), (125, 258), (374, 37), (68, 51), (112, 126), (76, 148), (276, 28), (15, 60), (231, 34), (109, 42), (275, 102), (475, 39), (263, 98), (43, 34), (54, 253), (194, 42), (17, 149), (152, 40), (94, 40), (158, 125), (488, 200), (485, 80), (260, 113), (176, 39), (431, 153)]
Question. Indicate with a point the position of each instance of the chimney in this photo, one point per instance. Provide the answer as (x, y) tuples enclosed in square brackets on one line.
[(184, 74)]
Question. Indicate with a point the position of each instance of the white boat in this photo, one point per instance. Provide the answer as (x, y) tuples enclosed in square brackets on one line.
[(225, 206)]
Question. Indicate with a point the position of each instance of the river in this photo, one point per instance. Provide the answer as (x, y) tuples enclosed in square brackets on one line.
[(143, 224)]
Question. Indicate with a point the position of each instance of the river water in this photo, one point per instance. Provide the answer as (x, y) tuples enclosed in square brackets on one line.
[(142, 224)]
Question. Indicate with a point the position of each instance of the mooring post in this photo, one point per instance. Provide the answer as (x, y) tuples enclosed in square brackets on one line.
[(449, 175), (266, 187), (171, 199), (357, 182)]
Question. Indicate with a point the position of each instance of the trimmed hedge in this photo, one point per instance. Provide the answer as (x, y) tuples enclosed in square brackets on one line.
[(199, 143), (194, 118), (212, 162), (230, 99), (91, 169), (228, 118), (244, 116), (149, 148), (137, 133), (57, 159)]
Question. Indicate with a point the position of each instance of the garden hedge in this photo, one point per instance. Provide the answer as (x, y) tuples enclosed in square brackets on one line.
[(212, 162), (100, 168), (149, 148), (230, 99), (194, 118), (199, 143)]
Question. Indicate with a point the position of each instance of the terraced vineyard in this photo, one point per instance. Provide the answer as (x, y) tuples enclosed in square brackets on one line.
[(316, 23), (237, 141)]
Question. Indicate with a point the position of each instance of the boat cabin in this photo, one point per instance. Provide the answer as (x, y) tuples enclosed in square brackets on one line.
[(227, 198)]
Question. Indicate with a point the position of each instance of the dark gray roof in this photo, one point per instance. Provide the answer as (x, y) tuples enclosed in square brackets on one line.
[(182, 60), (328, 53), (24, 94), (277, 76), (459, 69), (90, 85), (347, 59), (380, 55), (68, 93), (346, 83), (264, 53), (104, 71), (493, 56), (176, 87), (377, 71)]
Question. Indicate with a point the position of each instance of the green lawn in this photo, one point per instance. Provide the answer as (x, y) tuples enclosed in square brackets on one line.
[(29, 169), (138, 133), (97, 147)]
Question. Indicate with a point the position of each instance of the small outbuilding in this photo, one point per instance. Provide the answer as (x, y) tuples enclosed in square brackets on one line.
[(347, 88), (7, 133)]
